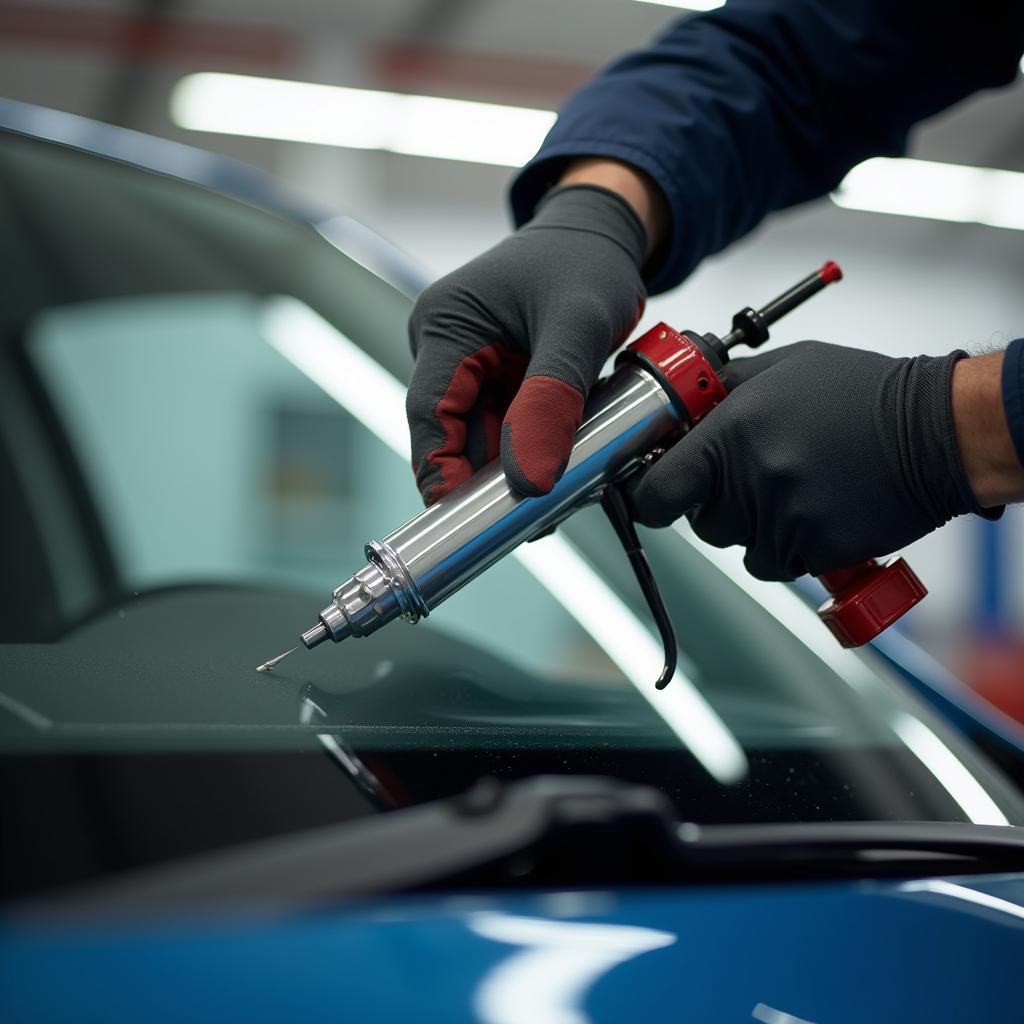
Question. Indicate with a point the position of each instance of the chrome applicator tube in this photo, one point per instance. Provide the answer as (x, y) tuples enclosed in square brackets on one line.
[(412, 570)]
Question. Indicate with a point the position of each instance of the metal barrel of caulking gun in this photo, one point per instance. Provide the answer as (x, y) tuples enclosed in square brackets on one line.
[(416, 567)]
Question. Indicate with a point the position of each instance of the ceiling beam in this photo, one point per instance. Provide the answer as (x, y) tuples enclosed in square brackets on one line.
[(116, 33)]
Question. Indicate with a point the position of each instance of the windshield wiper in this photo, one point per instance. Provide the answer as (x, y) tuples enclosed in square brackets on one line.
[(545, 831), (801, 843)]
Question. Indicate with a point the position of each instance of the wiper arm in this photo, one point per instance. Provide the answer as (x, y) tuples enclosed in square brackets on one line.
[(544, 831), (801, 843), (582, 828)]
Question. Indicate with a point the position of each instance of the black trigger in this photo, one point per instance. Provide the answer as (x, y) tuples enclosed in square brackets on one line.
[(614, 505)]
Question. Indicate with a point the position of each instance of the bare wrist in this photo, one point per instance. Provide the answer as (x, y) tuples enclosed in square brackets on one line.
[(635, 186), (983, 437)]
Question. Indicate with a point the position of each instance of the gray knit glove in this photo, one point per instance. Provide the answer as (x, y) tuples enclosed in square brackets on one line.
[(508, 346), (821, 457)]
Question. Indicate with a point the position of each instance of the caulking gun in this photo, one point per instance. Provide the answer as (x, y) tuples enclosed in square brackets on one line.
[(663, 385)]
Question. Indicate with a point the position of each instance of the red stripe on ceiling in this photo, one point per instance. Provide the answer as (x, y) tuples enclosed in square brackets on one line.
[(143, 38), (214, 45), (490, 76)]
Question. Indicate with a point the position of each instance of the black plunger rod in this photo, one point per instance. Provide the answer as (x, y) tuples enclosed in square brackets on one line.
[(789, 300)]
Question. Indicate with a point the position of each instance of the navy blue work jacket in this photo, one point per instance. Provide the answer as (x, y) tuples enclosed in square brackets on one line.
[(763, 104)]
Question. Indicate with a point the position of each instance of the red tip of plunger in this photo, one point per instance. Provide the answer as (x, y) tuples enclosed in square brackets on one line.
[(830, 272)]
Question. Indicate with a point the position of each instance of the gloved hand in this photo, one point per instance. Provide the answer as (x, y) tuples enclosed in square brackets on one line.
[(508, 346), (821, 457)]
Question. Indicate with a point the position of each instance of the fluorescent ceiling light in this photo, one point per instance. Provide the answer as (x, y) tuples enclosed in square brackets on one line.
[(431, 126), (687, 5), (937, 191), (951, 773), (362, 386)]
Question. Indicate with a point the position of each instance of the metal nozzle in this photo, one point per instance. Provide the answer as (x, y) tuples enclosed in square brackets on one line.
[(376, 594), (317, 635), (355, 608)]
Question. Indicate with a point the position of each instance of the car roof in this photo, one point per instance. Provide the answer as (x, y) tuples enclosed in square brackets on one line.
[(217, 173)]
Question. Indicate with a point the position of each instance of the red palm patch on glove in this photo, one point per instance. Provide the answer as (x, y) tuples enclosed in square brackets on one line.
[(495, 362), (538, 432)]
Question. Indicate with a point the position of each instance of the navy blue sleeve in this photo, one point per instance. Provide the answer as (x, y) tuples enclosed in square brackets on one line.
[(762, 104), (1013, 394)]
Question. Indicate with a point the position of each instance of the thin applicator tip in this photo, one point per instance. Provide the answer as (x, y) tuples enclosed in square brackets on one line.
[(268, 665)]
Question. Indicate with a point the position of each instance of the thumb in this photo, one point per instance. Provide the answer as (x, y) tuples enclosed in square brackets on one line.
[(538, 432), (686, 475)]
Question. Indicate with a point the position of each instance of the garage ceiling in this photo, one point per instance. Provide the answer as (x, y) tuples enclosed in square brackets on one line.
[(527, 51)]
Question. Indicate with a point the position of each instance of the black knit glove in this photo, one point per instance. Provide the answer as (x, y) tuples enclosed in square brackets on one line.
[(508, 346), (821, 457)]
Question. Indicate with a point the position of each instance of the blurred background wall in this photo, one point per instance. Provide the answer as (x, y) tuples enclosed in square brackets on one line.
[(912, 285)]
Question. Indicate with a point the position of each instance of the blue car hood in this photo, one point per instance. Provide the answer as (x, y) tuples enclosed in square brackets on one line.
[(933, 949)]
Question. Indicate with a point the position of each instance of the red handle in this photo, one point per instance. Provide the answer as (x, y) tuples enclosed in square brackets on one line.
[(866, 598)]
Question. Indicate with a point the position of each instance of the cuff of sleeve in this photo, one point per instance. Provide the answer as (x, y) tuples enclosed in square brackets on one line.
[(957, 473), (543, 171), (1013, 394)]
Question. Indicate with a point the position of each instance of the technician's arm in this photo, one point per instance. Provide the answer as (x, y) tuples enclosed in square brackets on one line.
[(766, 103), (988, 411)]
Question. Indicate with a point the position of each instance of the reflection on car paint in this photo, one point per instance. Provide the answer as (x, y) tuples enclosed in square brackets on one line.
[(769, 1015), (953, 890), (547, 980)]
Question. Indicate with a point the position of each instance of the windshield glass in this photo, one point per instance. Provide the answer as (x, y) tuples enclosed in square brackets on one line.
[(201, 425)]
